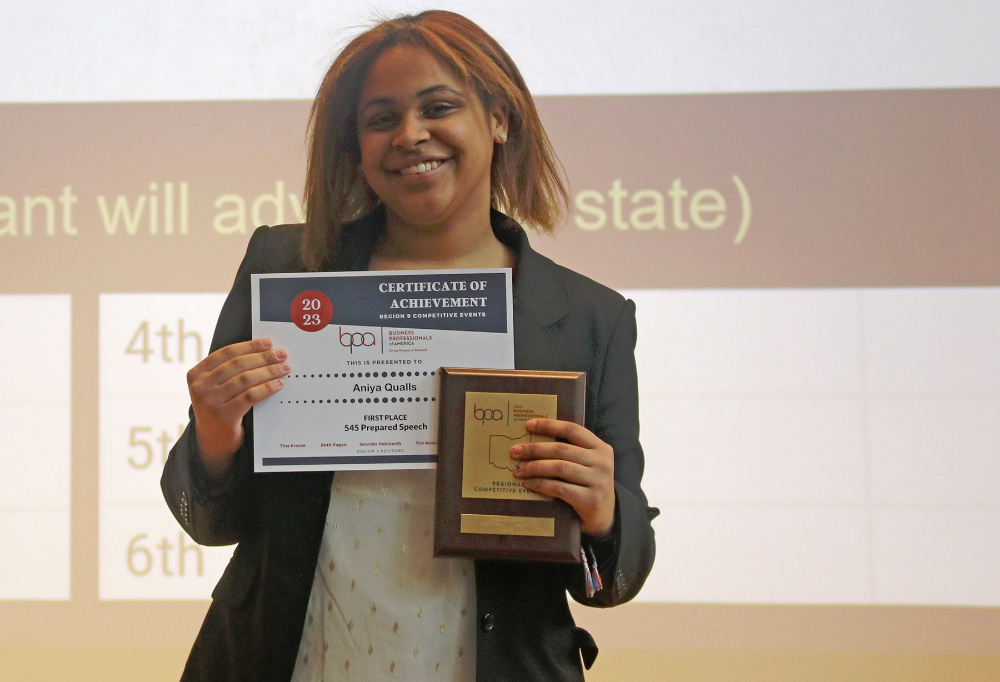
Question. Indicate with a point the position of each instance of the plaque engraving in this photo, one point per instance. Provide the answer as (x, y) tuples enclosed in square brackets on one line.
[(494, 524), (494, 423)]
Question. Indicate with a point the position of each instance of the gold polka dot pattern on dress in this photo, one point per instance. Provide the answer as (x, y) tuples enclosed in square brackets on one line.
[(370, 578)]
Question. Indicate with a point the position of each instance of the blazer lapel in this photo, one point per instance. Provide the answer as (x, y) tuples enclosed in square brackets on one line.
[(540, 302)]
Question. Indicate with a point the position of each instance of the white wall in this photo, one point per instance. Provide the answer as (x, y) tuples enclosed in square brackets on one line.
[(55, 50)]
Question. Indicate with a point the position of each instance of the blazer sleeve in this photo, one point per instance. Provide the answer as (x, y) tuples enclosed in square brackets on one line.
[(626, 557), (218, 510)]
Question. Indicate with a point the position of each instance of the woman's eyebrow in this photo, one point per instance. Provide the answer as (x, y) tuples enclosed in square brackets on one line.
[(438, 88), (377, 101)]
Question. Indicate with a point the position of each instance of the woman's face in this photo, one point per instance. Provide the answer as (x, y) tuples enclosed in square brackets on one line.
[(426, 142)]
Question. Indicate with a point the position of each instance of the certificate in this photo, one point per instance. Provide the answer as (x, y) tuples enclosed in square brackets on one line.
[(365, 350)]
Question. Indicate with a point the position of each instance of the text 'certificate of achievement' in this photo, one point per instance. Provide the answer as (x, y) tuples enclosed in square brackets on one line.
[(365, 349)]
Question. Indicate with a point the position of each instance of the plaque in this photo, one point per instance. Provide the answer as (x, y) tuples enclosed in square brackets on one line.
[(481, 509)]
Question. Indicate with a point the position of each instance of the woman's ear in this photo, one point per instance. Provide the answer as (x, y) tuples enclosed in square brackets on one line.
[(498, 123)]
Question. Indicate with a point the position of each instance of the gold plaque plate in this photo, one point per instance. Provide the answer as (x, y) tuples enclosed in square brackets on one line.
[(494, 422), (494, 524)]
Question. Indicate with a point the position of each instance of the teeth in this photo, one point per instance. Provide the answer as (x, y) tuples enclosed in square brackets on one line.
[(420, 168)]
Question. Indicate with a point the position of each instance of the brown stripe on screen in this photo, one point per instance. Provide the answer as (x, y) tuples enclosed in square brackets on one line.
[(820, 189)]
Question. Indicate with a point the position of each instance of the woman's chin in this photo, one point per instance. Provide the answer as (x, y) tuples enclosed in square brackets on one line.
[(423, 216)]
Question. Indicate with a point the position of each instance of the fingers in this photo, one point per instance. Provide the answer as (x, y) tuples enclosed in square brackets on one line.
[(580, 471), (239, 358), (242, 399), (582, 446), (568, 471), (541, 450), (556, 428), (231, 352), (570, 463), (250, 376), (595, 504), (226, 384)]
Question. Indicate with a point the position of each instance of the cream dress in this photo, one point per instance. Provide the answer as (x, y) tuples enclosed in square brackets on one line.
[(381, 607)]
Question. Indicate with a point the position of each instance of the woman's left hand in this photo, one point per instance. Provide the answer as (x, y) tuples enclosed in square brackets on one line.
[(580, 471)]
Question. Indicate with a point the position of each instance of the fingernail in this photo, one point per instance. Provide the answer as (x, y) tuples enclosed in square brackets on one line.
[(285, 368), (515, 451), (265, 343), (532, 423), (280, 354), (281, 382)]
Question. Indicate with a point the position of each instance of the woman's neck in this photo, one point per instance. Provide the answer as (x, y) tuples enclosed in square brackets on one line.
[(407, 247)]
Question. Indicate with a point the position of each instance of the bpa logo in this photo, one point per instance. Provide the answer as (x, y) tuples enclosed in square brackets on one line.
[(354, 340), (486, 414)]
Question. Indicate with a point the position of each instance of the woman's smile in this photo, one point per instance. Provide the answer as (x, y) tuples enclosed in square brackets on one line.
[(421, 168)]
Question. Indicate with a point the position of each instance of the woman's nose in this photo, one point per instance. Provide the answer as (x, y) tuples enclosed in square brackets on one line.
[(411, 132)]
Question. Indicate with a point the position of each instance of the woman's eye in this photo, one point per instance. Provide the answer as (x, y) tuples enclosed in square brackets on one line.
[(381, 122), (439, 109)]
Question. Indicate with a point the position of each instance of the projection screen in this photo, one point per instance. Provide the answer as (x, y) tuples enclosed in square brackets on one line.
[(802, 200)]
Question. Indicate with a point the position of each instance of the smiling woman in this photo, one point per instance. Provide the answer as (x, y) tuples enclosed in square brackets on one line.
[(425, 148), (459, 68)]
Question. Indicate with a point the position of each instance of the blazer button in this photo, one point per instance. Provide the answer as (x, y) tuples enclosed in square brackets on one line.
[(487, 622)]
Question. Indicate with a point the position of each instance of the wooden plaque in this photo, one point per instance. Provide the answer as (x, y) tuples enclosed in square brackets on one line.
[(481, 509)]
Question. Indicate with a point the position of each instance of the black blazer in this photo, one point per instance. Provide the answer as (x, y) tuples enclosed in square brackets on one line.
[(562, 321)]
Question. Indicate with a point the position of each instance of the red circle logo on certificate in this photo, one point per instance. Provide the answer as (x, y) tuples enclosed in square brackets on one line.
[(312, 311)]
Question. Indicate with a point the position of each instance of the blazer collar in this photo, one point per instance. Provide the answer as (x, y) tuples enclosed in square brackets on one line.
[(538, 285)]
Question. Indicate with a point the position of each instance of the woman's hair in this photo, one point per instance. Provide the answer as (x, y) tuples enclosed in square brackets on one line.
[(525, 176)]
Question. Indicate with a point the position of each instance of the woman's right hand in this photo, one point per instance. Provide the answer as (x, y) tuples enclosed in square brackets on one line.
[(223, 387)]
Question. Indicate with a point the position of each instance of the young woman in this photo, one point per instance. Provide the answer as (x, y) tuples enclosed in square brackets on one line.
[(422, 132)]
